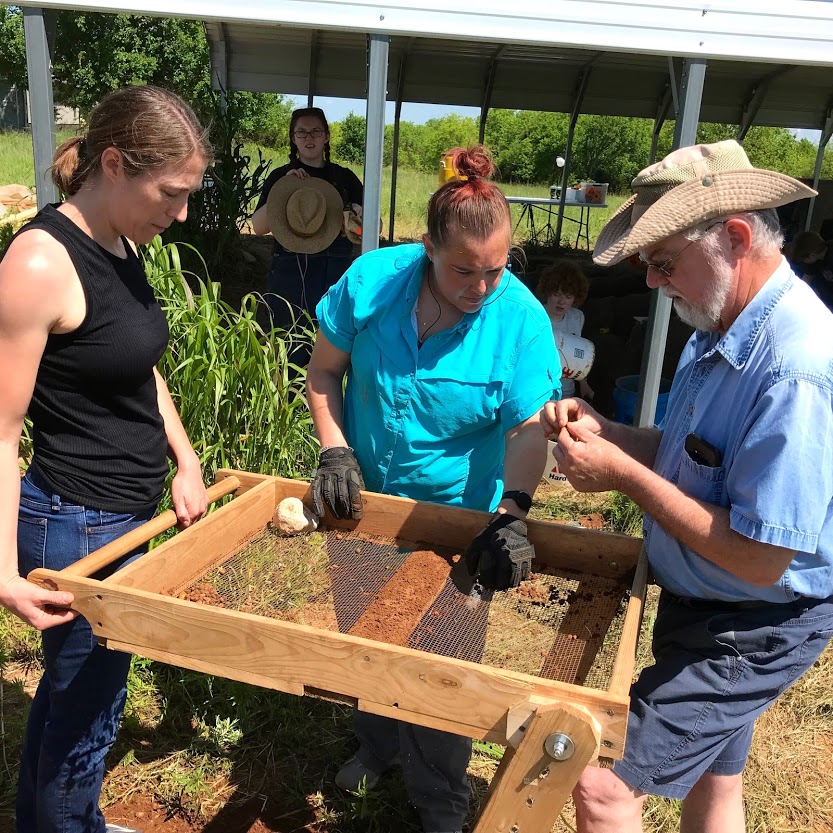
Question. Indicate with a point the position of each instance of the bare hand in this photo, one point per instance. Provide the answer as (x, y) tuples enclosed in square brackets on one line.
[(299, 172), (189, 496), (36, 606), (590, 463), (556, 415)]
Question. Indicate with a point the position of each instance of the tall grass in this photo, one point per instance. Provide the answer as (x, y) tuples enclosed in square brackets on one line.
[(17, 164), (238, 395)]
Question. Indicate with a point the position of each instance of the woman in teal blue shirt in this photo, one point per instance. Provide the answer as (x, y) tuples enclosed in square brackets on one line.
[(449, 360)]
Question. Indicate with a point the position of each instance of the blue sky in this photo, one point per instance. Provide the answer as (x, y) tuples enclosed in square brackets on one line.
[(337, 108)]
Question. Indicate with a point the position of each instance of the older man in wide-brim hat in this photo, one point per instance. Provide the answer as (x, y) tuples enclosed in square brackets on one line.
[(736, 485)]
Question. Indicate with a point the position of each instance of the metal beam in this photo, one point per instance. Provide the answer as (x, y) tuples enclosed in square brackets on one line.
[(685, 133), (755, 99), (219, 63), (826, 132), (313, 67), (659, 119), (488, 87), (377, 80), (39, 68), (394, 169), (578, 100)]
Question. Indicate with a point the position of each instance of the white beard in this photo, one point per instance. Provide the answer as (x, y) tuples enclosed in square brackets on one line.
[(707, 316)]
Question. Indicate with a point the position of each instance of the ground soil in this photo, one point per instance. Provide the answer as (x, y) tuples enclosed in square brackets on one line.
[(401, 603), (146, 816)]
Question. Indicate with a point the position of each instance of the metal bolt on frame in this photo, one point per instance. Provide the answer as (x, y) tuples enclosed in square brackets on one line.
[(559, 746)]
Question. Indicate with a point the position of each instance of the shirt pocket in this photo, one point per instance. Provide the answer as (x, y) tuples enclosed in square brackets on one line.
[(458, 406), (705, 483)]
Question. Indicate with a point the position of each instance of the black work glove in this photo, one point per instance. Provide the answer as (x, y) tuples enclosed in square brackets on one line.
[(500, 556), (338, 479)]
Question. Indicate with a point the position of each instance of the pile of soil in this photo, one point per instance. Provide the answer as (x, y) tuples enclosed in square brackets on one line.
[(402, 602)]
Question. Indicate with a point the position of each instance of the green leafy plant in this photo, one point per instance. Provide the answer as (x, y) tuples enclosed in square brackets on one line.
[(218, 212), (240, 398)]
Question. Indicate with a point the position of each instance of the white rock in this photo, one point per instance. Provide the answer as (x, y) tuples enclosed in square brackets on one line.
[(292, 517)]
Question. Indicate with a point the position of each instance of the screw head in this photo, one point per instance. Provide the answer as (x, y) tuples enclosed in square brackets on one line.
[(559, 746)]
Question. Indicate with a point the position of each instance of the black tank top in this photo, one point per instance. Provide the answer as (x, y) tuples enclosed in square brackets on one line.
[(98, 435)]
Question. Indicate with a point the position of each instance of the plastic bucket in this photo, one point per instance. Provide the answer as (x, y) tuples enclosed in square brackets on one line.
[(625, 395), (576, 354), (551, 473)]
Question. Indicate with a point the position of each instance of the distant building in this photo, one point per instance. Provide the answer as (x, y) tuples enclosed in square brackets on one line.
[(16, 115), (13, 107)]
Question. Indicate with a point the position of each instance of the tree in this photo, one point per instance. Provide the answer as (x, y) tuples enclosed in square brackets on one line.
[(350, 144), (96, 53)]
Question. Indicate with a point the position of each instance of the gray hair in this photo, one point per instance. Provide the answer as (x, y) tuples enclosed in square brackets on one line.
[(767, 237)]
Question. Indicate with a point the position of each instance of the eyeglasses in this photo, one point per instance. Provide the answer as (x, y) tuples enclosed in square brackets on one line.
[(316, 133), (664, 267)]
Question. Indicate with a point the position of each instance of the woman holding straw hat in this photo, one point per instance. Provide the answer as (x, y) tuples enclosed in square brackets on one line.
[(303, 206)]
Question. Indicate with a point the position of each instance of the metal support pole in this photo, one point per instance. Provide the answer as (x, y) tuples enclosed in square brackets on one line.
[(313, 69), (39, 68), (826, 132), (219, 65), (685, 133), (377, 83), (754, 100), (578, 100), (394, 169)]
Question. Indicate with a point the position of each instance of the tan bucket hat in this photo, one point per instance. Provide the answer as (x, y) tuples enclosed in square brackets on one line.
[(304, 215), (690, 186)]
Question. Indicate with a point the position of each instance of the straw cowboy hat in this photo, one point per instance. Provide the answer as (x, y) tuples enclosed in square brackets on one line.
[(304, 215), (690, 186)]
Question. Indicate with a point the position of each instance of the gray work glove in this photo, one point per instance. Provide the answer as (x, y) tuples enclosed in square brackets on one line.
[(338, 480), (500, 556)]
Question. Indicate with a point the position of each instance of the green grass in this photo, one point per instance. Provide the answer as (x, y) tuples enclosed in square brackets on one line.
[(17, 165)]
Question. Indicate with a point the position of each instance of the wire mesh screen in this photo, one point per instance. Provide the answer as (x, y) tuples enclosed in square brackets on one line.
[(560, 625)]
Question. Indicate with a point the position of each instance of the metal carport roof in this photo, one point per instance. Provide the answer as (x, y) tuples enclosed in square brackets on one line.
[(450, 71)]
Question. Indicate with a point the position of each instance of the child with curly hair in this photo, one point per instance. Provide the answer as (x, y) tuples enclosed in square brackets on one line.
[(562, 289)]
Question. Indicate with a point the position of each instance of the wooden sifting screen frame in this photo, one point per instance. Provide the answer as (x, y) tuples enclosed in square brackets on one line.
[(128, 612)]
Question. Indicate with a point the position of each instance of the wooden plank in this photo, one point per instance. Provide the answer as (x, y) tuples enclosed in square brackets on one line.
[(196, 664), (248, 480), (622, 674), (107, 554), (19, 217), (232, 644), (587, 550), (194, 549), (530, 788)]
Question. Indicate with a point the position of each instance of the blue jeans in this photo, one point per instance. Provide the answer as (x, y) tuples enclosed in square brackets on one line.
[(76, 711)]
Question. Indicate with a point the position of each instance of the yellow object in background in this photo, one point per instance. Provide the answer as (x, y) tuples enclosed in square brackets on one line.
[(447, 170)]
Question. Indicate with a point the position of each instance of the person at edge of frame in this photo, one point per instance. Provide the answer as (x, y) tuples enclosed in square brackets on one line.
[(449, 359), (736, 485), (81, 334)]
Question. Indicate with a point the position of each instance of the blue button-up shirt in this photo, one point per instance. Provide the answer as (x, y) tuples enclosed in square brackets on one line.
[(429, 423), (763, 395)]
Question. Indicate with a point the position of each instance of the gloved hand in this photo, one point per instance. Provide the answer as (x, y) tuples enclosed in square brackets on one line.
[(501, 555), (338, 479)]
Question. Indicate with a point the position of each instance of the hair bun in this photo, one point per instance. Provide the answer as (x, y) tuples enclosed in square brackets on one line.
[(475, 161)]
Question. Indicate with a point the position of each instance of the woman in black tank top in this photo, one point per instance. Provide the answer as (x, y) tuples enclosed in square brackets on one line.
[(80, 337)]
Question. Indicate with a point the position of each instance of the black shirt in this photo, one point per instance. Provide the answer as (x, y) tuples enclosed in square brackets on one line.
[(98, 436)]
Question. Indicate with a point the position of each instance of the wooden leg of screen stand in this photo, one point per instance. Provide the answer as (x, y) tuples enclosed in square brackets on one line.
[(531, 787)]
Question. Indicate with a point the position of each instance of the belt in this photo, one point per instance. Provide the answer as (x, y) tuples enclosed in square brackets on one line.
[(719, 604)]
